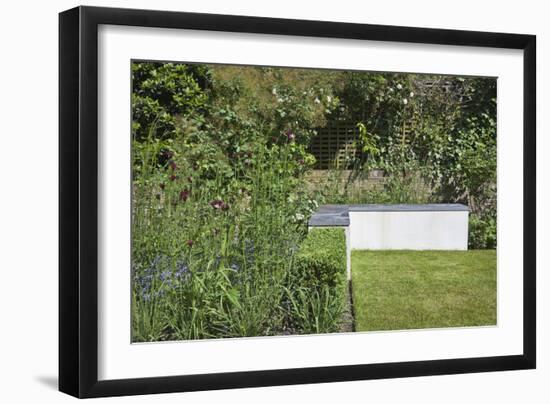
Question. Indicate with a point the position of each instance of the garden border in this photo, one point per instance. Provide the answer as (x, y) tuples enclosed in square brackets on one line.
[(78, 206)]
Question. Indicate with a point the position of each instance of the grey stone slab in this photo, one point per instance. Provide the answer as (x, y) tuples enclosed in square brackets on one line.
[(338, 215), (333, 209), (434, 207), (330, 215), (322, 220)]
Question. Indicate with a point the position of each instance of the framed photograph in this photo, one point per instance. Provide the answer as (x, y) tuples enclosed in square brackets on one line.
[(251, 201)]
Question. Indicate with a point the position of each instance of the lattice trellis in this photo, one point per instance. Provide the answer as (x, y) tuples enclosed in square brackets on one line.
[(335, 145)]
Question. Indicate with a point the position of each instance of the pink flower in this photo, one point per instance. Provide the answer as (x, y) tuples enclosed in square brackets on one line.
[(219, 204), (216, 203)]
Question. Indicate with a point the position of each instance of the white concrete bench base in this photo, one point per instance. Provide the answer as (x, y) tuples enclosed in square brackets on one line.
[(412, 230)]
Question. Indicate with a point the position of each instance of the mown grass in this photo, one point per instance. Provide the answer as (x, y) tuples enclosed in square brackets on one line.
[(395, 290)]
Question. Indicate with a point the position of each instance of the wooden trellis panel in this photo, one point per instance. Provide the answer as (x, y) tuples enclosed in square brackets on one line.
[(335, 145)]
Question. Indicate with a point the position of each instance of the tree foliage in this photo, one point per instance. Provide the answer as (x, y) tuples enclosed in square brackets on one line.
[(162, 92)]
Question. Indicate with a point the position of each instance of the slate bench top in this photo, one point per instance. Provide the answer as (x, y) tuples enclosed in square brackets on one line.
[(330, 215), (432, 207), (338, 215)]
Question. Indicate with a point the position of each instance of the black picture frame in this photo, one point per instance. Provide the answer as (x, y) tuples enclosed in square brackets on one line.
[(78, 201)]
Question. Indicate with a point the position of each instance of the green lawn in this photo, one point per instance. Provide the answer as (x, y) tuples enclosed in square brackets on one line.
[(395, 290)]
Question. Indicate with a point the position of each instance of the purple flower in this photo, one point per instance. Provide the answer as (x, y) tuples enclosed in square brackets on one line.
[(184, 195), (172, 165), (290, 135), (167, 154), (182, 272), (144, 282), (173, 177), (165, 275), (189, 243)]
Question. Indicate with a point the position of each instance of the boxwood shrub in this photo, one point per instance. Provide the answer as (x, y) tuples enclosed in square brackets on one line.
[(321, 259), (317, 288)]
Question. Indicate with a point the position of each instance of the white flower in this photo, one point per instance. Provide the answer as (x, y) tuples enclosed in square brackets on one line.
[(280, 100), (391, 90), (274, 91), (405, 101), (399, 86), (411, 94), (317, 100), (299, 216), (329, 99)]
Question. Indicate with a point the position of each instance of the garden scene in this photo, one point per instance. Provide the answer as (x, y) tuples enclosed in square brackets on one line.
[(282, 201)]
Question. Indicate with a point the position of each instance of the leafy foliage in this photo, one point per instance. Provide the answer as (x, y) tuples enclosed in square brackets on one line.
[(162, 92), (482, 232)]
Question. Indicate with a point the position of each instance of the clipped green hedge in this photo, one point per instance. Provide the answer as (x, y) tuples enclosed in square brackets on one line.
[(317, 289), (321, 259)]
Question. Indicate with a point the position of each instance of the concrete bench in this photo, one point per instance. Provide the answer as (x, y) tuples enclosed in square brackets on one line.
[(397, 227)]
